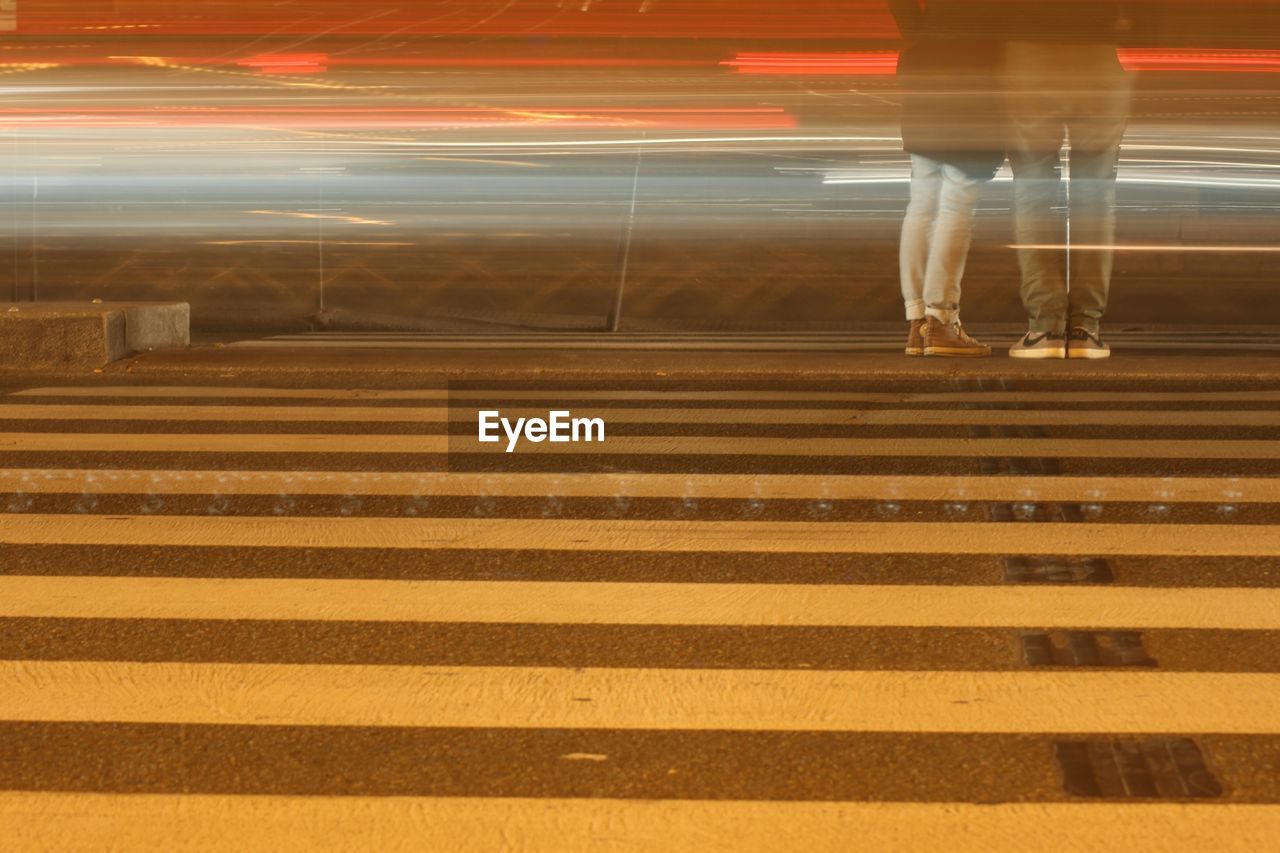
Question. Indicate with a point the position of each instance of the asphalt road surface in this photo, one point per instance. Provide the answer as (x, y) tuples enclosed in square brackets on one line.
[(1025, 614)]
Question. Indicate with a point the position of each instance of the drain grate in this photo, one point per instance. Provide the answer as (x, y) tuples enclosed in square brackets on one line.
[(1153, 769), (1057, 570), (1085, 648)]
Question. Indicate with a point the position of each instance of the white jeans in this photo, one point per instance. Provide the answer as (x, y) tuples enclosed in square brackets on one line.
[(935, 238)]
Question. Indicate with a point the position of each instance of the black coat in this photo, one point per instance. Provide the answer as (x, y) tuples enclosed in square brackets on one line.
[(952, 105)]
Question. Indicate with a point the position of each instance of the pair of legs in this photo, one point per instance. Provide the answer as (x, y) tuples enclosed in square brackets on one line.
[(936, 234), (1078, 94)]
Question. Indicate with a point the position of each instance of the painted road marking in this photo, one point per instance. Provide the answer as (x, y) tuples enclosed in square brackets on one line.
[(578, 603), (34, 820), (1114, 702), (614, 535)]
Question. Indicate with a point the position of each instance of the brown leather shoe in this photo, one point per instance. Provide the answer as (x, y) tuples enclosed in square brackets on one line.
[(950, 340), (915, 338)]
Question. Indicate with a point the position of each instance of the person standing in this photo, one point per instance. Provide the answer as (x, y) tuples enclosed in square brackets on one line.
[(1064, 83), (952, 128)]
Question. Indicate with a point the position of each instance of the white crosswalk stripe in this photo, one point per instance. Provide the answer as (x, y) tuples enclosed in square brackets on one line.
[(545, 825), (528, 697), (632, 536), (565, 603)]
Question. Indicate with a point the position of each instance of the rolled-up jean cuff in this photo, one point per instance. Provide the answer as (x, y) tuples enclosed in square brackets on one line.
[(915, 309), (946, 316)]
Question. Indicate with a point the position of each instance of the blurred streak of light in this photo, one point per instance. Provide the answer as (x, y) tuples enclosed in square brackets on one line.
[(884, 62), (1204, 182), (1131, 248), (869, 63), (486, 162), (692, 111), (1151, 59), (485, 235), (1222, 164), (22, 67), (765, 118), (120, 27), (677, 144), (1135, 146), (298, 214), (287, 63), (837, 182), (609, 143), (1199, 181), (313, 63), (299, 242), (505, 62), (280, 79), (4, 47), (520, 18)]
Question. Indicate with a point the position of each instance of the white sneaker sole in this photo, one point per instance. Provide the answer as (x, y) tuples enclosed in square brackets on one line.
[(1037, 353), (1089, 353)]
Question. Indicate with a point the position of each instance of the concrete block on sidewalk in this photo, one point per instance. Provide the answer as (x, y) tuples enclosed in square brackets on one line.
[(156, 325), (86, 335)]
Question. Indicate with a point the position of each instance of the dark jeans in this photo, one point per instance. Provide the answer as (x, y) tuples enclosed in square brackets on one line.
[(1077, 94)]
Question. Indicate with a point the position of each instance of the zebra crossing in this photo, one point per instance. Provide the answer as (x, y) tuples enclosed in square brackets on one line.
[(918, 616)]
